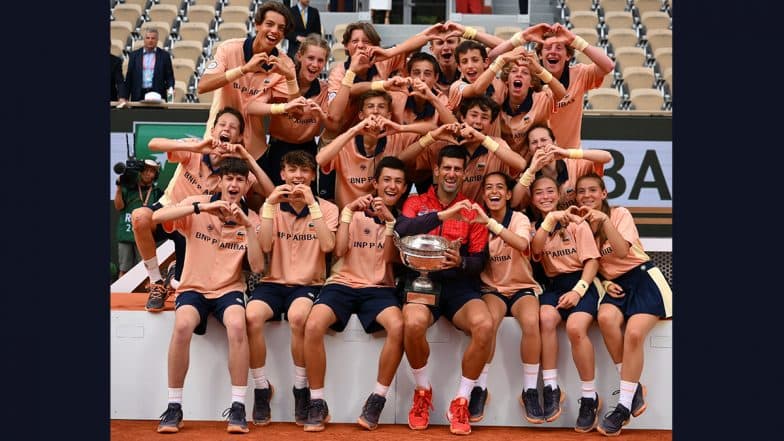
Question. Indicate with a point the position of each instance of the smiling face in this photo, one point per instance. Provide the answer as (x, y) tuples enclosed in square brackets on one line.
[(496, 193), (591, 192), (479, 118), (444, 51), (544, 195), (450, 174), (554, 56), (471, 64), (312, 61), (518, 80), (233, 186), (271, 30), (293, 175), (390, 185)]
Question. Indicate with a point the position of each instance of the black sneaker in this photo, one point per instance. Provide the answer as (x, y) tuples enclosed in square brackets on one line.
[(301, 401), (638, 401), (236, 416), (158, 295), (588, 417), (532, 410), (171, 419), (371, 411), (261, 405), (171, 270), (476, 405), (552, 403), (613, 422), (318, 416)]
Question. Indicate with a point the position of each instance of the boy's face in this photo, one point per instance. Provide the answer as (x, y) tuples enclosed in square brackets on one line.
[(478, 119), (376, 105), (227, 129), (424, 71), (297, 174), (233, 186), (390, 185), (471, 64), (358, 41), (444, 50), (271, 30)]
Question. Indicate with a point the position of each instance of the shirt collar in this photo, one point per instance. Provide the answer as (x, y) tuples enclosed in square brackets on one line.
[(247, 49), (565, 77), (314, 89), (561, 173), (381, 144), (285, 206), (205, 158), (442, 79), (525, 106), (243, 206), (428, 111)]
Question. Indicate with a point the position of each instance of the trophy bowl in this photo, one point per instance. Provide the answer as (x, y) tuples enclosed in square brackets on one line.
[(423, 253)]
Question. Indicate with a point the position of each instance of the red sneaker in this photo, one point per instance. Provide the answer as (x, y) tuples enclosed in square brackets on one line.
[(419, 415), (458, 417)]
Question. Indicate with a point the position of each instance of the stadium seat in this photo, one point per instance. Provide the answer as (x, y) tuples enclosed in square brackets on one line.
[(232, 30), (117, 47), (194, 31), (337, 33), (619, 38), (588, 34), (505, 32), (668, 77), (643, 6), (141, 3), (245, 3), (183, 69), (188, 50), (165, 13), (639, 77), (180, 91), (580, 5), (614, 5), (604, 98), (663, 57), (619, 20), (201, 14), (127, 12), (658, 38), (630, 56), (205, 97), (235, 14), (120, 30), (609, 80), (584, 19), (339, 53), (655, 20), (646, 99)]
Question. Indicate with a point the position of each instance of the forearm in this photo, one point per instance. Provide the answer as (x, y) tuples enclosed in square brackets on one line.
[(445, 116), (119, 203), (325, 237), (210, 82), (254, 253), (170, 145), (502, 47), (172, 212), (504, 153), (341, 237), (590, 267), (420, 128), (619, 245), (600, 59), (263, 184), (408, 226), (328, 152), (267, 224)]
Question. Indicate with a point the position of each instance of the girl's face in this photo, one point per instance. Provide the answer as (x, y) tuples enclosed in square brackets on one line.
[(590, 193), (544, 195), (496, 193), (312, 62)]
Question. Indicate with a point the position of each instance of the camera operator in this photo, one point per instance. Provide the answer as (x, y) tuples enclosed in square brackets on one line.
[(136, 187)]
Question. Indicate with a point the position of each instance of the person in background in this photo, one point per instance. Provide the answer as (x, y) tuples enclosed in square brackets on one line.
[(306, 21), (380, 5), (149, 69), (117, 90)]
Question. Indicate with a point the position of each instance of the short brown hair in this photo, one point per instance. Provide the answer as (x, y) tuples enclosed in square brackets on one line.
[(278, 7), (367, 28)]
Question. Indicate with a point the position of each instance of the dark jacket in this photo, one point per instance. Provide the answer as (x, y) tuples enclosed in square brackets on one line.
[(313, 27), (117, 80), (162, 77)]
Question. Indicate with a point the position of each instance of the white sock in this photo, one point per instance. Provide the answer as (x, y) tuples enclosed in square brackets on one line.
[(317, 394), (420, 377), (482, 380), (300, 377), (627, 393), (618, 366), (530, 374), (550, 377), (153, 270), (465, 387), (259, 378), (381, 390), (589, 389), (175, 395), (238, 393)]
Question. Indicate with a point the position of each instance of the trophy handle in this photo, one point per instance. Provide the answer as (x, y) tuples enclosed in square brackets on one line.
[(404, 258)]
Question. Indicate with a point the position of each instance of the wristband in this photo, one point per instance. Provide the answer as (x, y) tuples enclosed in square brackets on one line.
[(196, 209), (469, 33), (497, 65), (606, 284), (527, 177), (315, 211), (580, 287), (494, 226), (233, 74), (293, 86), (348, 79), (490, 144), (346, 215), (267, 211), (545, 76), (517, 39), (426, 140), (575, 153), (548, 224), (579, 43), (390, 231), (277, 109), (377, 85)]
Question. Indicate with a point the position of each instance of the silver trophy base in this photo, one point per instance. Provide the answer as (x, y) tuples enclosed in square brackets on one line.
[(422, 283)]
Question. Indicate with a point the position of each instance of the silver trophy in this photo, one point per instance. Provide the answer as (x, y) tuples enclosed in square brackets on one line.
[(423, 253)]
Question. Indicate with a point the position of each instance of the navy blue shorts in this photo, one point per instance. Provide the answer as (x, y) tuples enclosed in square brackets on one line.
[(563, 283), (280, 297), (366, 303), (510, 301), (454, 294), (206, 306), (643, 294)]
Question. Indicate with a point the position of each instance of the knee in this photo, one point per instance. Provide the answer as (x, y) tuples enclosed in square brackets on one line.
[(414, 327), (482, 328), (633, 338), (235, 330), (141, 219), (314, 330), (548, 321), (297, 322), (394, 329), (607, 320), (576, 332), (254, 323), (531, 324)]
